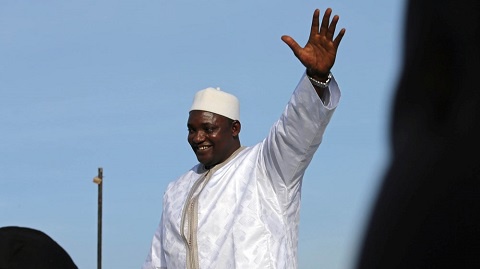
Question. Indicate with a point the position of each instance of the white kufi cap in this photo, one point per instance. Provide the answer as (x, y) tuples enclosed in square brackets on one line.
[(217, 101)]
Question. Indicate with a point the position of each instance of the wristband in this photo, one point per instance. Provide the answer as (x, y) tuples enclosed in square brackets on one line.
[(319, 83)]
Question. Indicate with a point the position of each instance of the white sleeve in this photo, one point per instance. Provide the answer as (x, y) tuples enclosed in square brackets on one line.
[(295, 137)]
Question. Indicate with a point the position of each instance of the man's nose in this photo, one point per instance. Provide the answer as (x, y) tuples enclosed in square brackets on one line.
[(198, 137)]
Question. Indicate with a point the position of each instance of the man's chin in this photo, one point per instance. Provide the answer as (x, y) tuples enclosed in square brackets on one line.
[(203, 161), (206, 164)]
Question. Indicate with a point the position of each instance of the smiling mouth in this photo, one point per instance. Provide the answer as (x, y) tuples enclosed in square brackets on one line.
[(203, 148)]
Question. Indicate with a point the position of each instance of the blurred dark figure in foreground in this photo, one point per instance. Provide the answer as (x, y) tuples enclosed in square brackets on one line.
[(25, 248), (427, 211)]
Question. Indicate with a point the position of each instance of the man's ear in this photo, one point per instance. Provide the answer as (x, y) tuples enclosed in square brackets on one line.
[(236, 127)]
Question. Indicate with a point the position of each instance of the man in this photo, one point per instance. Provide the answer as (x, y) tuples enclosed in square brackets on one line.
[(427, 213), (239, 207)]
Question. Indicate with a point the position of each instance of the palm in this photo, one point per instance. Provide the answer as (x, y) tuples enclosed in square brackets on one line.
[(318, 55)]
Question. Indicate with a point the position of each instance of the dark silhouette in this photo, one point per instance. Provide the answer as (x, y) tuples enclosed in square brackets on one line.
[(428, 208), (26, 248)]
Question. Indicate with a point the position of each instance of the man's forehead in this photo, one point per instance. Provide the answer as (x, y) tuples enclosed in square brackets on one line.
[(202, 116)]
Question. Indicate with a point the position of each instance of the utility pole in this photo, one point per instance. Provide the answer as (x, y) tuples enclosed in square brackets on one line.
[(99, 181)]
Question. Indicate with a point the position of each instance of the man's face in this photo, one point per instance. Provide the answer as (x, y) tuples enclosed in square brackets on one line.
[(211, 136)]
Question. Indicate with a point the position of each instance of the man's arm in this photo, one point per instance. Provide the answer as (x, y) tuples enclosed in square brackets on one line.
[(294, 138)]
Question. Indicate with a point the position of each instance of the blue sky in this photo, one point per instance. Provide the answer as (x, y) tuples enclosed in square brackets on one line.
[(89, 84)]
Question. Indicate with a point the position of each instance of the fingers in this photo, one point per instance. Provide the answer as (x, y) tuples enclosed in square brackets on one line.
[(328, 28), (294, 46), (325, 21), (339, 37), (332, 27), (314, 28), (321, 42)]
